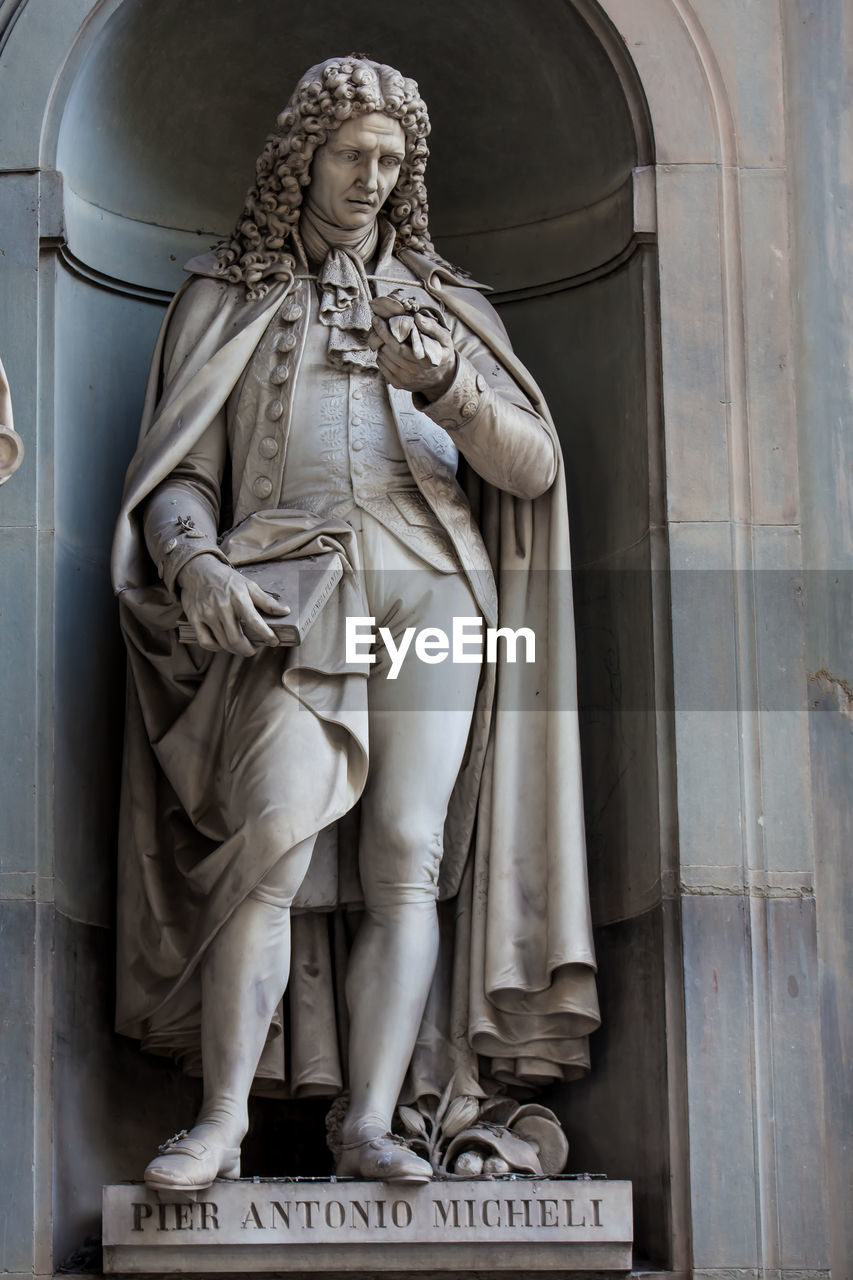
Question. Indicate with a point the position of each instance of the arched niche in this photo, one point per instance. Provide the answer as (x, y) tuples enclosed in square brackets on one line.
[(532, 161), (538, 185)]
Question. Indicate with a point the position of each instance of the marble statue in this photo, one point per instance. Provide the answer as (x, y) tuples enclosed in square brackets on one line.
[(11, 444), (406, 853)]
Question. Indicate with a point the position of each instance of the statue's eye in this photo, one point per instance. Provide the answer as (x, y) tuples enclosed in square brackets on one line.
[(391, 162)]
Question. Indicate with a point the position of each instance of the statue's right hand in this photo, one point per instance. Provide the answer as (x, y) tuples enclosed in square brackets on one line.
[(223, 606)]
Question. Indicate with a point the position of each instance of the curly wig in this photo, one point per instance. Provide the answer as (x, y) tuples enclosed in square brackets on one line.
[(261, 249)]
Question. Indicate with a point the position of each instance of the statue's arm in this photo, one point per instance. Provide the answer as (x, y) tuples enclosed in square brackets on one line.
[(181, 516), (181, 521), (492, 422)]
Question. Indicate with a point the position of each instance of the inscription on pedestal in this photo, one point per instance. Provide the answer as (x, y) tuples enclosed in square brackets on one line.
[(256, 1225)]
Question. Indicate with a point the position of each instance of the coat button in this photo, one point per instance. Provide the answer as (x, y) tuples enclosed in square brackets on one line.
[(279, 375), (274, 410), (357, 445), (469, 408), (481, 382), (262, 488), (290, 313), (285, 342), (268, 447)]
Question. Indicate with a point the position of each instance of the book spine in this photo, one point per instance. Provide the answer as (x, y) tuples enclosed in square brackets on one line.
[(333, 579)]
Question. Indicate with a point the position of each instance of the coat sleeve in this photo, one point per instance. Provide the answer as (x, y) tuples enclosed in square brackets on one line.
[(181, 516), (491, 420)]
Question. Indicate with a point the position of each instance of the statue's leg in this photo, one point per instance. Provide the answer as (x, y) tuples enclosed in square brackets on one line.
[(281, 773), (244, 973), (243, 978), (419, 725)]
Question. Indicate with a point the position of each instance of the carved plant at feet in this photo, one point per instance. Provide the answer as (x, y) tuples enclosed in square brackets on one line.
[(433, 1122), (464, 1136)]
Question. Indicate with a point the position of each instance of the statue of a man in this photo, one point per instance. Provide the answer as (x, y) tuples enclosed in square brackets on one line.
[(326, 380)]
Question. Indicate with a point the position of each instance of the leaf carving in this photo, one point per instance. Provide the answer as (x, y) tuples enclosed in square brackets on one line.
[(413, 1121), (445, 1100), (460, 1115)]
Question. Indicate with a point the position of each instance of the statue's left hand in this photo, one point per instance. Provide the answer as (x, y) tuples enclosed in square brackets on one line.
[(403, 368), (225, 608)]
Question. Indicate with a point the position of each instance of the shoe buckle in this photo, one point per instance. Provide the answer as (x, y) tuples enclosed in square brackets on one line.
[(172, 1142)]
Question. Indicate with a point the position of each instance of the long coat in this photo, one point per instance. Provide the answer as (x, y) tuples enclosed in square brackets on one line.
[(515, 981)]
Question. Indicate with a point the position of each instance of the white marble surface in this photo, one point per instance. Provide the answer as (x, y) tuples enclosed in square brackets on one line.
[(520, 1224)]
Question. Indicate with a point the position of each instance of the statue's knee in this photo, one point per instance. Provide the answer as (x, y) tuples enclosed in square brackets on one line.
[(401, 864), (267, 834), (269, 838), (273, 896)]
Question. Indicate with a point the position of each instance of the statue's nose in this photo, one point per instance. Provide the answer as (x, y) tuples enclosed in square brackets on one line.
[(369, 177)]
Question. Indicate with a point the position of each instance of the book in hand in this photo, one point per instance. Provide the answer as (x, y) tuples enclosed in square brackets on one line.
[(306, 584)]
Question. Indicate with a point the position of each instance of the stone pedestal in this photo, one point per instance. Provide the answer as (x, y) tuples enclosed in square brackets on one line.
[(519, 1225)]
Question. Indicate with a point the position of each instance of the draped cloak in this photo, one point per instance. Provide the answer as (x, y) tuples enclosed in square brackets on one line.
[(514, 992)]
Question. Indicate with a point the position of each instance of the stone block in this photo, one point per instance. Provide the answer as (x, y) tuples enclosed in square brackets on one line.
[(694, 374), (832, 773), (773, 462), (671, 75), (254, 1225), (706, 704), (746, 43), (799, 1195), (18, 957), (786, 806), (18, 698), (721, 1092)]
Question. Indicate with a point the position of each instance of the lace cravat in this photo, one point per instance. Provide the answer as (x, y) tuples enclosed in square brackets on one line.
[(344, 288)]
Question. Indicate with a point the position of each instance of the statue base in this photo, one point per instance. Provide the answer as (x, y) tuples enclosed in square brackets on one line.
[(516, 1224)]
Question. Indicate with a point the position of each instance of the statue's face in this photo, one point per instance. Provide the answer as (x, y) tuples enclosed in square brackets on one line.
[(354, 172)]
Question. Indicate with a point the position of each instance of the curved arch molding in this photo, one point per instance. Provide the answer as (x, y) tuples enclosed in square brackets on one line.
[(518, 205)]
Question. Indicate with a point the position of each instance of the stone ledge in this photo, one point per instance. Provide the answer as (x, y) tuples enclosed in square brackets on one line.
[(520, 1225)]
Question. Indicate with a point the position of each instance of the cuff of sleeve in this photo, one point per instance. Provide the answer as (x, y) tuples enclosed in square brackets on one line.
[(461, 401), (178, 551)]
